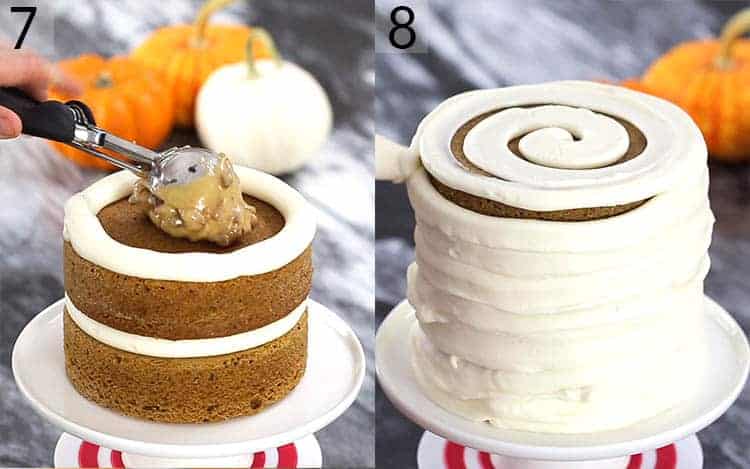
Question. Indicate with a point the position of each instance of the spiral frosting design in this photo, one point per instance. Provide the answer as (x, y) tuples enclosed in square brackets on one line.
[(561, 145), (560, 326), (554, 136)]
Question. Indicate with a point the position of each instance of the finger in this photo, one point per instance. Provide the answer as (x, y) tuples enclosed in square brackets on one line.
[(10, 124), (27, 71), (64, 83)]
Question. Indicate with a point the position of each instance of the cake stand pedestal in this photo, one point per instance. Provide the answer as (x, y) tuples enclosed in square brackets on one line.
[(435, 452), (471, 444), (281, 434), (72, 451)]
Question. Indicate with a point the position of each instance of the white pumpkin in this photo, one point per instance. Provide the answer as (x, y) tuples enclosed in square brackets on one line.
[(270, 115)]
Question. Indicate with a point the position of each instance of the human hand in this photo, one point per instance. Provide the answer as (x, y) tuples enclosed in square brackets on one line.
[(34, 75)]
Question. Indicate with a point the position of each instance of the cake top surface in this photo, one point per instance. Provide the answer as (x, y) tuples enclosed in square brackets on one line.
[(130, 225), (271, 250), (560, 145)]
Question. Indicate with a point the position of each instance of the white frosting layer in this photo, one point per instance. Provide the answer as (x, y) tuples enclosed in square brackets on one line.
[(608, 234), (185, 348), (675, 149), (435, 305), (88, 238), (565, 348), (560, 326), (603, 396)]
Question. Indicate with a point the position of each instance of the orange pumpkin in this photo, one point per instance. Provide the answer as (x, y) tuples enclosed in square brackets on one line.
[(187, 54), (635, 84), (710, 79), (126, 99)]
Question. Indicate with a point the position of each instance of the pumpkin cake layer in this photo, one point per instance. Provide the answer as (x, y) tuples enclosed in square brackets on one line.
[(494, 208), (172, 330), (185, 390), (184, 310)]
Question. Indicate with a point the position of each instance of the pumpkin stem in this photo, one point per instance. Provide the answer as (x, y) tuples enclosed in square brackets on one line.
[(104, 80), (260, 37), (737, 25), (201, 21)]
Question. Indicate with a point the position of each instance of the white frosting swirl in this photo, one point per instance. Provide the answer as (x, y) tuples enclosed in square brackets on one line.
[(674, 151), (184, 348), (553, 136), (89, 240)]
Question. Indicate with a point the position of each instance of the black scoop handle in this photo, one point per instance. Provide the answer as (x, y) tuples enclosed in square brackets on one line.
[(52, 120)]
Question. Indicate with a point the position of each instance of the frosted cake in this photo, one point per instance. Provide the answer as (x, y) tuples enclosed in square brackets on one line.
[(561, 247)]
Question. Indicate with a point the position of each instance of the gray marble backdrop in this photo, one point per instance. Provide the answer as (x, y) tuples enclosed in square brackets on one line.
[(490, 43), (330, 38)]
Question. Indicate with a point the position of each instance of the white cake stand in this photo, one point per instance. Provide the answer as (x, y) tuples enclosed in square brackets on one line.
[(334, 375), (726, 373)]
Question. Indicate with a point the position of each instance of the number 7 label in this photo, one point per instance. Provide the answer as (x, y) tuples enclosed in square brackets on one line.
[(31, 12)]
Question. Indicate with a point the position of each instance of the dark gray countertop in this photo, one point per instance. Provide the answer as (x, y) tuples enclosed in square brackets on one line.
[(333, 40), (485, 43)]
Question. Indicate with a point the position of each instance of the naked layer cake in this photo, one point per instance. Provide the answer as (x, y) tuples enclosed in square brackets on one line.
[(561, 247), (173, 330)]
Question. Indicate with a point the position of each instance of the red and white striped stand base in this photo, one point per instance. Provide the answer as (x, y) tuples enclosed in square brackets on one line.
[(72, 452), (435, 452)]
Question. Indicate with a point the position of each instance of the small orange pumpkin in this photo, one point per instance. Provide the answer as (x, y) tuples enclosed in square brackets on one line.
[(126, 99), (710, 79), (187, 54), (635, 84)]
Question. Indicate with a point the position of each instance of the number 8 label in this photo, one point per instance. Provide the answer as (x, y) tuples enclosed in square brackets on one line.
[(402, 26), (406, 26)]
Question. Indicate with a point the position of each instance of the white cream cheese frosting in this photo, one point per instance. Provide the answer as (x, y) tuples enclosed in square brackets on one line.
[(88, 238), (555, 326), (569, 176), (581, 400), (553, 136), (184, 348)]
